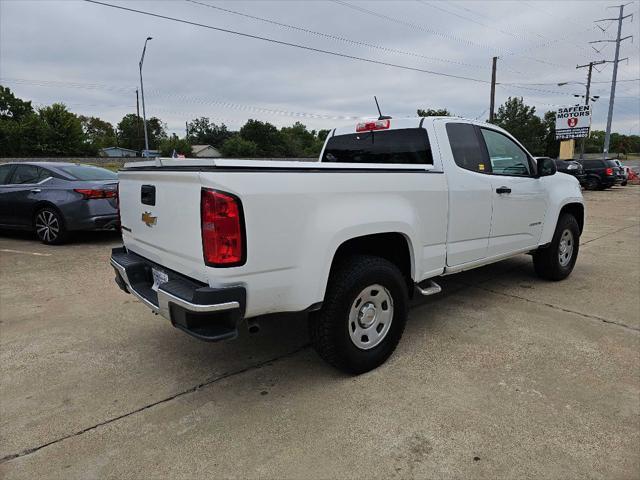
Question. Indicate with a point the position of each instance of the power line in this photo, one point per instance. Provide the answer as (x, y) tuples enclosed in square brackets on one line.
[(413, 25), (333, 37), (288, 44), (181, 98)]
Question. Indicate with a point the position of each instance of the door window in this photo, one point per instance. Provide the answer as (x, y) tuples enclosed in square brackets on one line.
[(506, 157), (5, 171), (467, 150), (28, 174)]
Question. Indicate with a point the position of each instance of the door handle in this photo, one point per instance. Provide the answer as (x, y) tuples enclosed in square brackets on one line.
[(503, 190), (36, 190)]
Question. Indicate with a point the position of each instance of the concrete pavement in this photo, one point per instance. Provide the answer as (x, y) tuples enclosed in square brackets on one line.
[(502, 376)]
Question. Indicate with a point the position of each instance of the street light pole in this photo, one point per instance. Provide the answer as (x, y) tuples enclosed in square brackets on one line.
[(144, 113)]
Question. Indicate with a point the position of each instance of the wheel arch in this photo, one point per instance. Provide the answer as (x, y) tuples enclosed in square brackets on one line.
[(577, 210), (392, 246), (45, 204)]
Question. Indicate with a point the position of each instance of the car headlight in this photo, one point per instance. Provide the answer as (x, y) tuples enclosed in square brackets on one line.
[(572, 167)]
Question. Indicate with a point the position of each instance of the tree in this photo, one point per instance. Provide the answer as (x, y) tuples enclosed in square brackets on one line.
[(180, 145), (552, 146), (521, 121), (60, 131), (11, 107), (268, 140), (430, 112), (203, 132), (300, 142), (97, 134), (238, 147), (131, 132)]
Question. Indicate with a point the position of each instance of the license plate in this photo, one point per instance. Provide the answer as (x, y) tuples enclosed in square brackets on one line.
[(159, 277)]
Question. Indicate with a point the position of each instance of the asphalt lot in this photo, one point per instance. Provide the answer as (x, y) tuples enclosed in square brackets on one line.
[(501, 376)]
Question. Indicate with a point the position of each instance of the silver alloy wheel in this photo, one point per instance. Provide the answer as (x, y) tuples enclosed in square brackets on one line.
[(47, 226), (565, 248), (370, 317)]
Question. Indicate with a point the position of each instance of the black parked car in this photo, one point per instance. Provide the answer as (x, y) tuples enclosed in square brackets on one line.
[(54, 198), (600, 173), (572, 168)]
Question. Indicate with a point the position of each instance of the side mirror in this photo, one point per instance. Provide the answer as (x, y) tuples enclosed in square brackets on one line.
[(546, 167)]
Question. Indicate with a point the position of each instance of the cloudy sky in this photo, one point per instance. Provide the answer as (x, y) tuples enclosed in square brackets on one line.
[(86, 56)]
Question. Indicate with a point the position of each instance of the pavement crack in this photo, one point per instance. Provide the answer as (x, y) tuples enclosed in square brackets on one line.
[(563, 309), (187, 391), (610, 233)]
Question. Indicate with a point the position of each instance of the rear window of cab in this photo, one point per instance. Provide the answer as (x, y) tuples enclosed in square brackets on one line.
[(402, 146)]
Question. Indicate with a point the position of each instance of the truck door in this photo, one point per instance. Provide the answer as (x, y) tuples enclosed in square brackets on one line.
[(519, 199), (470, 192)]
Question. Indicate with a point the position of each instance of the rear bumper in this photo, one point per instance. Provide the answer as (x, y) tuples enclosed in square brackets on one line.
[(99, 222), (209, 314)]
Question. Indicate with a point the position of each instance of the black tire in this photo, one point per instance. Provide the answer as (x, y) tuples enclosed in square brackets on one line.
[(551, 262), (592, 183), (329, 328), (49, 226), (623, 184)]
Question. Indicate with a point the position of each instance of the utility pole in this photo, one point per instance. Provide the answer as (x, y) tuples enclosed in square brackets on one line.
[(587, 98), (138, 119), (493, 89), (186, 129), (144, 114), (615, 62)]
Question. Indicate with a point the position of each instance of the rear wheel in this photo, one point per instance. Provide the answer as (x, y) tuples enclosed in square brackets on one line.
[(592, 183), (556, 261), (49, 226), (363, 314)]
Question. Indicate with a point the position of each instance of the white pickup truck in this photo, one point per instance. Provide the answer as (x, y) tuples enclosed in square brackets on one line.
[(390, 205)]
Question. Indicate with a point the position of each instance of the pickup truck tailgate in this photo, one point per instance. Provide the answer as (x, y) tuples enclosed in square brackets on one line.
[(160, 215)]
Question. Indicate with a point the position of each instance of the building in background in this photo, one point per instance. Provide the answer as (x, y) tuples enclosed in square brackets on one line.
[(117, 152), (205, 151)]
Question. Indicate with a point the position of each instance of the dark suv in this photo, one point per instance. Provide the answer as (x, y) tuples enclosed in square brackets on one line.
[(600, 173), (573, 168)]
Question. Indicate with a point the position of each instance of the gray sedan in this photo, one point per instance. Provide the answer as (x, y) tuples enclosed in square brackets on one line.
[(54, 198)]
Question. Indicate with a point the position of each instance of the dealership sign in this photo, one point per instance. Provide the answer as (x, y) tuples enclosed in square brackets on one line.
[(573, 122)]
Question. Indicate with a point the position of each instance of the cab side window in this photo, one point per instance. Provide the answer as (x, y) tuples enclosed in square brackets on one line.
[(506, 157), (28, 174), (468, 151), (5, 174)]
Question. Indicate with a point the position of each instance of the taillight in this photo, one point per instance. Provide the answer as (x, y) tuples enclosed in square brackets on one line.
[(118, 203), (373, 125), (609, 171), (222, 229), (89, 193)]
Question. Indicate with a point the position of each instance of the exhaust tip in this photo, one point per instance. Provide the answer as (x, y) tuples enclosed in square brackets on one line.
[(253, 328)]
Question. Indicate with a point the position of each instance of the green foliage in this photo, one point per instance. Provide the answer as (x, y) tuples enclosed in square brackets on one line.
[(180, 145), (238, 147), (98, 134), (268, 140), (430, 112), (300, 142), (60, 131), (131, 132), (11, 107), (618, 143), (203, 132), (521, 121), (551, 145)]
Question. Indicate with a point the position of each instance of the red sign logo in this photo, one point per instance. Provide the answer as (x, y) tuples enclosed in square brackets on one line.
[(572, 122)]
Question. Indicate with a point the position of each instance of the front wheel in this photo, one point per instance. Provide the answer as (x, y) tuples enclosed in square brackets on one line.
[(363, 314), (49, 226), (556, 261), (592, 183)]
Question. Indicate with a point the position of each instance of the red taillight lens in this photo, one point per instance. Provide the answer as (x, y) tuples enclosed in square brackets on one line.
[(118, 203), (88, 193), (373, 125), (609, 171), (222, 229)]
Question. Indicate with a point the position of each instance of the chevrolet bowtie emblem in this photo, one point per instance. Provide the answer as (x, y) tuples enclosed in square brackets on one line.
[(149, 219)]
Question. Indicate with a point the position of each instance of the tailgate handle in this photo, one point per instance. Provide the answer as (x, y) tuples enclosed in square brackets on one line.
[(148, 194)]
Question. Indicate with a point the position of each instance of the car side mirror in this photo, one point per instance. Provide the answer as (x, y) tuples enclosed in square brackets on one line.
[(546, 167)]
